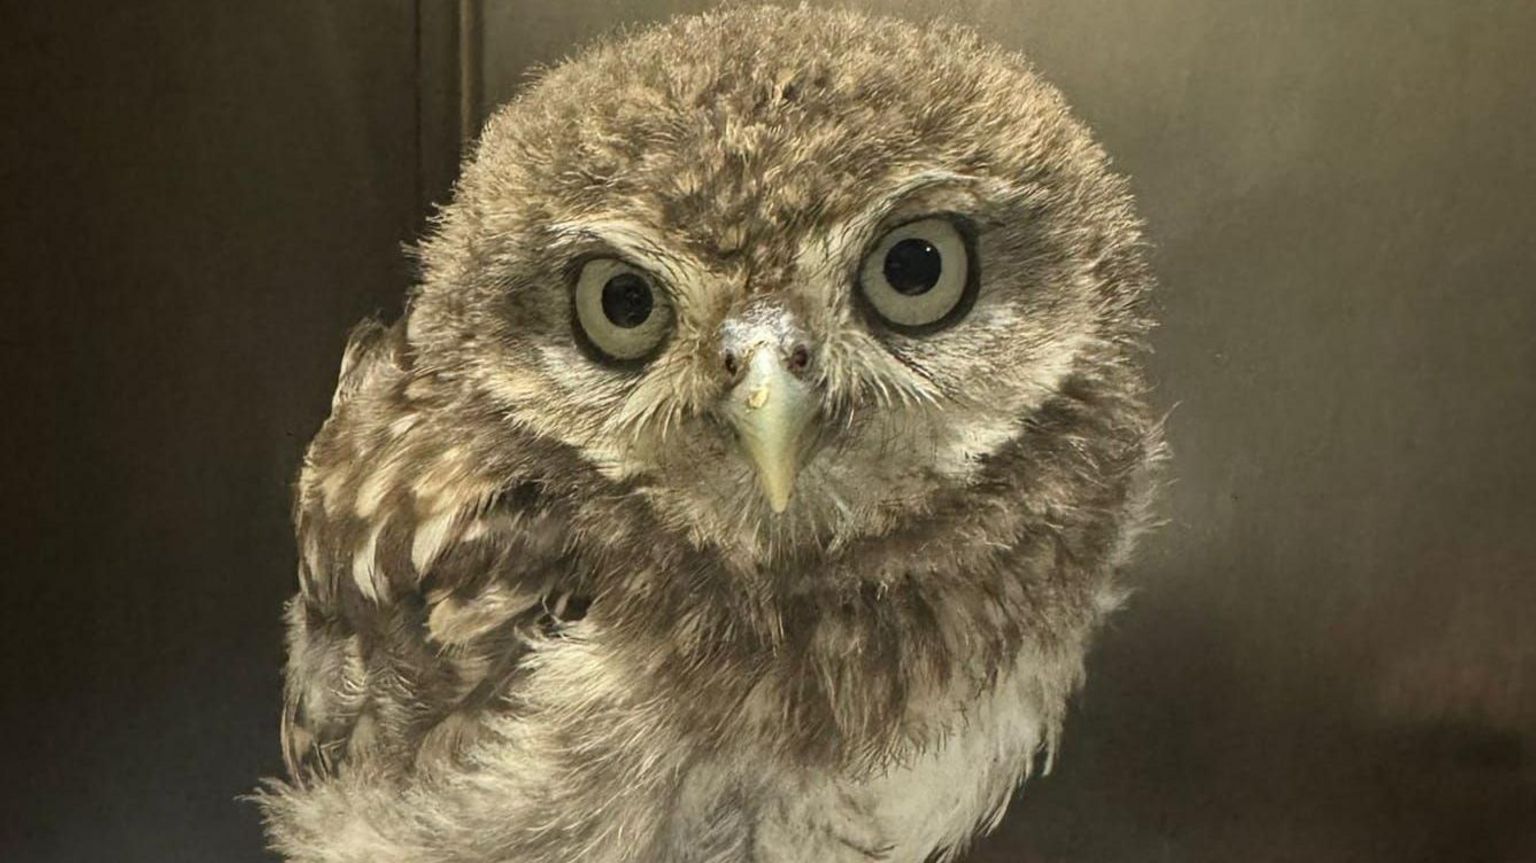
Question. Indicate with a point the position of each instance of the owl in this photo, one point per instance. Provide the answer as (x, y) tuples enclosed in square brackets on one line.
[(747, 472)]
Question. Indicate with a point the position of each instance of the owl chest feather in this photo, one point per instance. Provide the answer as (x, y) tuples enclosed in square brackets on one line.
[(939, 797), (954, 781)]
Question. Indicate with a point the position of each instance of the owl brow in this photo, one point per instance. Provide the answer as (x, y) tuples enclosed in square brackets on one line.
[(851, 237), (911, 188), (626, 240)]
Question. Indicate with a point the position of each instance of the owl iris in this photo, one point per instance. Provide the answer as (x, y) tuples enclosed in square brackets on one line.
[(920, 277), (620, 310)]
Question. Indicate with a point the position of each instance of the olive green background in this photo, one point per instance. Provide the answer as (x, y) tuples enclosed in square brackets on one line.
[(1331, 655)]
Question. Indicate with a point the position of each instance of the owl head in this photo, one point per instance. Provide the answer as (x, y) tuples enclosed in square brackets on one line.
[(791, 277)]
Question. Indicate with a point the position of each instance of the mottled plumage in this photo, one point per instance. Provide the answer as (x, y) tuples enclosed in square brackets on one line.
[(682, 516)]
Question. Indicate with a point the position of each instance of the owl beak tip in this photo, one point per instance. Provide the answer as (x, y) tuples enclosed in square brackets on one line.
[(778, 489)]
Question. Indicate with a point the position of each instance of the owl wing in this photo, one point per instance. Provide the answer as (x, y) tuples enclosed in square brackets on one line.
[(414, 610)]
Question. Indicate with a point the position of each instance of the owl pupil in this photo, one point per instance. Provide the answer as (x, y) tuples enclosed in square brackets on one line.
[(912, 266), (627, 300)]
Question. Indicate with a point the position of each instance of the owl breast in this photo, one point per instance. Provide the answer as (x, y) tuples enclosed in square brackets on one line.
[(924, 806), (960, 786)]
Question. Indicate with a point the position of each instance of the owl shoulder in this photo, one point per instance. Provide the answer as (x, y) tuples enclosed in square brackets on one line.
[(419, 571)]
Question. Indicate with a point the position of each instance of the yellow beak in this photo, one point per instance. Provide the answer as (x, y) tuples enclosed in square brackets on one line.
[(771, 410)]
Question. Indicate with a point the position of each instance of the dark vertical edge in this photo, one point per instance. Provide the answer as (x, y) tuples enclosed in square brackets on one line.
[(471, 75), (447, 93)]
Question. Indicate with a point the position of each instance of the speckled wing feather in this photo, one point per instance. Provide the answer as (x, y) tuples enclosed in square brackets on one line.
[(413, 611)]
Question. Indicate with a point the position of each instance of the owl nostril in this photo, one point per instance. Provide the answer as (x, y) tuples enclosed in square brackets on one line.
[(799, 359)]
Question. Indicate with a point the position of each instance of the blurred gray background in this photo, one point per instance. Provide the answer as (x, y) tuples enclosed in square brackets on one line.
[(1331, 655)]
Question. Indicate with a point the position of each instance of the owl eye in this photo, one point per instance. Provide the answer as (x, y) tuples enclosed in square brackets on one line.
[(619, 309), (919, 277)]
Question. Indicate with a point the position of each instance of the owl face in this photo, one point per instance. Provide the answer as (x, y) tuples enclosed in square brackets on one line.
[(790, 295)]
